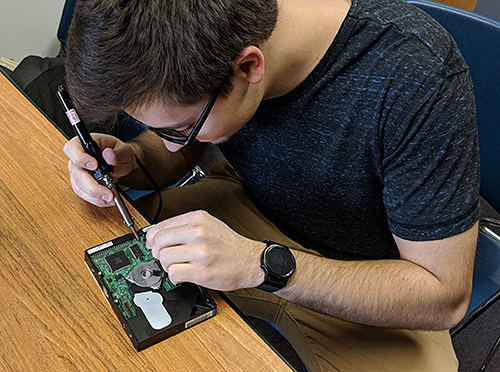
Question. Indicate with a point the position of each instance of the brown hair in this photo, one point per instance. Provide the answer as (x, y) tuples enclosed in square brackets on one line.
[(126, 53)]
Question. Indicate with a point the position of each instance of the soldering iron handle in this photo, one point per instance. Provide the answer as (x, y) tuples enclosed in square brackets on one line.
[(89, 145)]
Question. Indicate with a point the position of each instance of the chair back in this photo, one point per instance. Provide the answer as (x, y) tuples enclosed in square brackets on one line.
[(478, 38), (65, 21)]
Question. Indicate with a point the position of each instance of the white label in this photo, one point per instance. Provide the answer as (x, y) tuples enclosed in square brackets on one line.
[(151, 304), (73, 116), (199, 319), (100, 247)]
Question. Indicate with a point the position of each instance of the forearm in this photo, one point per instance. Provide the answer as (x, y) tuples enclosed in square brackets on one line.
[(386, 293), (164, 166)]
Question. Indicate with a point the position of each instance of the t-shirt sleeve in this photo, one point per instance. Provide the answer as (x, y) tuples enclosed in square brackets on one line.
[(431, 164)]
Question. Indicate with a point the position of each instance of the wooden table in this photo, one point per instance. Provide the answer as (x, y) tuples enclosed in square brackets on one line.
[(53, 316), (465, 4)]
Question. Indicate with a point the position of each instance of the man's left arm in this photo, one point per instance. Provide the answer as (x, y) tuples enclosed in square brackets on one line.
[(431, 190), (428, 288)]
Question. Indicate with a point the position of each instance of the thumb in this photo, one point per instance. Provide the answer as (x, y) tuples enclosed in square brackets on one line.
[(122, 158), (110, 156)]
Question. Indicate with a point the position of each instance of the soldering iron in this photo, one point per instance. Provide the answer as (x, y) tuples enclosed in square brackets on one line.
[(104, 170)]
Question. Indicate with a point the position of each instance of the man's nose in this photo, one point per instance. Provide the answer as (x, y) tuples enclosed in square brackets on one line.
[(172, 147)]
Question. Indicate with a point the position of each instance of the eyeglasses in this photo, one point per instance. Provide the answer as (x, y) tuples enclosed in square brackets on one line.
[(179, 138)]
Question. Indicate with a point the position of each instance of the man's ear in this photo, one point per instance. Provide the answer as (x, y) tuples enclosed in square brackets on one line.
[(250, 62)]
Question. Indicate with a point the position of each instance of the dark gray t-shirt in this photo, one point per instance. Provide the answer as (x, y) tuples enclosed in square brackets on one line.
[(379, 139)]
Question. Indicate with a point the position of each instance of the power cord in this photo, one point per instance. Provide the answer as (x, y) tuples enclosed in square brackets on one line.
[(156, 189)]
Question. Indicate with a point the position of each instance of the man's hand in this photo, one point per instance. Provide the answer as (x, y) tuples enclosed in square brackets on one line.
[(115, 152), (198, 248)]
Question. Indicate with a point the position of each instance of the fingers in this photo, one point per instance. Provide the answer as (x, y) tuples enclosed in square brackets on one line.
[(189, 264), (179, 230), (80, 158), (83, 183), (188, 272), (116, 153), (86, 187), (121, 156), (173, 243), (198, 248), (183, 236)]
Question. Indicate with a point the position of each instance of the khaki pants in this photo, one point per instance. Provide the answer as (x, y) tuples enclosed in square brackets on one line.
[(324, 343)]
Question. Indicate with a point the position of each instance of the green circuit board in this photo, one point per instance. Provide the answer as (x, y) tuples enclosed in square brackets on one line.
[(126, 263)]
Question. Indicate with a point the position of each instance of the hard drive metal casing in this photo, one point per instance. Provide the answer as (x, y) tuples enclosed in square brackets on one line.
[(125, 270)]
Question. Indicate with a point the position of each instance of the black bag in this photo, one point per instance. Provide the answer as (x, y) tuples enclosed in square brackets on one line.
[(39, 79)]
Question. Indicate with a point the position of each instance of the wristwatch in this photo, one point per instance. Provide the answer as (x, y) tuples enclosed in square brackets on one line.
[(278, 264)]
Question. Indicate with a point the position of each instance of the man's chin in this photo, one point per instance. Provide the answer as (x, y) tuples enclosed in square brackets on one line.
[(222, 140)]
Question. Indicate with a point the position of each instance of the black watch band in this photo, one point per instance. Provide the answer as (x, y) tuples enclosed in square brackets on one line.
[(278, 264)]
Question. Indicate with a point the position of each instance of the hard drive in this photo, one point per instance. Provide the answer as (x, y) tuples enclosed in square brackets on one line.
[(148, 305)]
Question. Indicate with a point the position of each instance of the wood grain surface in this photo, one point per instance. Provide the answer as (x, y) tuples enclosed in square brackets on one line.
[(53, 316), (464, 4)]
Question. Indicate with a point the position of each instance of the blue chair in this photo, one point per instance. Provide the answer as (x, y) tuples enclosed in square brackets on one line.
[(66, 17), (478, 38), (488, 8)]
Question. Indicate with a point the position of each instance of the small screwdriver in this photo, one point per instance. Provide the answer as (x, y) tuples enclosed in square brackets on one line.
[(104, 170)]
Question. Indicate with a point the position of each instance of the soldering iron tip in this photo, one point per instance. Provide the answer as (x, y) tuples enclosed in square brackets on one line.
[(135, 233)]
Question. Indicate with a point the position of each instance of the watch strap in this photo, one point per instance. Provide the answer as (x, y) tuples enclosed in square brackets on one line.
[(268, 288)]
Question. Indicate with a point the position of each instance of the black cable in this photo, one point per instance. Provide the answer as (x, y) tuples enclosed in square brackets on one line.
[(133, 203), (156, 189), (490, 355), (155, 186)]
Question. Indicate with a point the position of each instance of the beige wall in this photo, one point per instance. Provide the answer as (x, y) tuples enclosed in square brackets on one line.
[(29, 27)]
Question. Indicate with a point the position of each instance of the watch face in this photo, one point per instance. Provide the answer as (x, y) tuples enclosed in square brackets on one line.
[(280, 261)]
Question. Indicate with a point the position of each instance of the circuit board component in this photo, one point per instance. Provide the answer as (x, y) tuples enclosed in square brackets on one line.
[(130, 262)]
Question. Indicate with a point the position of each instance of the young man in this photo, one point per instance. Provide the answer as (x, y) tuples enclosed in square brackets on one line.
[(352, 127)]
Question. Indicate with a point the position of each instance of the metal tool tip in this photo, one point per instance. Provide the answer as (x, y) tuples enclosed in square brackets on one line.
[(136, 235)]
